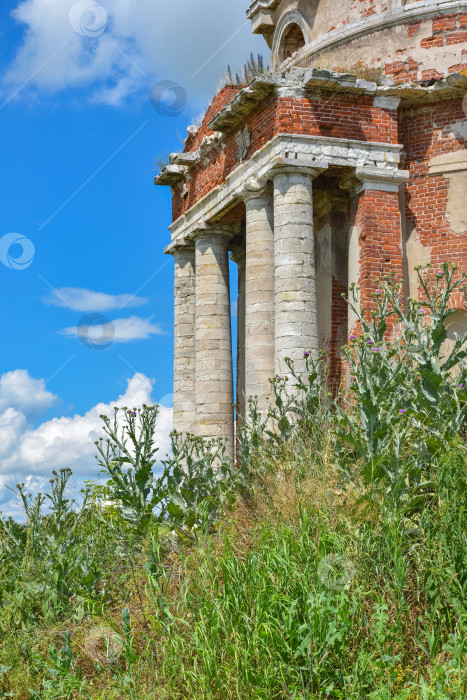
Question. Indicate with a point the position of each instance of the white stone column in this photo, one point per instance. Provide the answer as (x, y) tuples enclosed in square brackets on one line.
[(259, 293), (214, 372), (184, 338), (296, 318)]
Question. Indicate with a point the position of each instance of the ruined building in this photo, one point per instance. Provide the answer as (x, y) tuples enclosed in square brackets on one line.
[(345, 162)]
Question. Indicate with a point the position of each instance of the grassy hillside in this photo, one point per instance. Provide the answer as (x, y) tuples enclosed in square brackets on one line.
[(329, 562)]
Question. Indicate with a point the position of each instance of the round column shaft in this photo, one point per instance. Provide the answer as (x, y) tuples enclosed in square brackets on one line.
[(184, 339), (259, 296), (296, 319), (214, 372)]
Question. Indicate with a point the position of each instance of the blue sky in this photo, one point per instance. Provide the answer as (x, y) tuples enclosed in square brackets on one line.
[(79, 143)]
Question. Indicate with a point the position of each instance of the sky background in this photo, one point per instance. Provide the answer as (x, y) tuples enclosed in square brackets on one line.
[(87, 300)]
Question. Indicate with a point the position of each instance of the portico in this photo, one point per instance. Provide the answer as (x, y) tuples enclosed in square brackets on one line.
[(278, 260)]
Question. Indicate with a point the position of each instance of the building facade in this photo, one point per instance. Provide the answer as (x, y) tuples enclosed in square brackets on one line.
[(347, 161)]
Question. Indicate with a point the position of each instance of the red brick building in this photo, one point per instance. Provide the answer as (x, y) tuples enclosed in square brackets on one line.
[(345, 162)]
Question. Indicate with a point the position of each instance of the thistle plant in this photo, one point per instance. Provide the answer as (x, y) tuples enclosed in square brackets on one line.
[(407, 398), (3, 692), (318, 583), (195, 482), (50, 546), (128, 457), (200, 480), (437, 397)]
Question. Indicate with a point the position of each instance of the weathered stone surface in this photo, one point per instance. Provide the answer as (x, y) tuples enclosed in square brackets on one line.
[(184, 339), (259, 294), (214, 372), (296, 322)]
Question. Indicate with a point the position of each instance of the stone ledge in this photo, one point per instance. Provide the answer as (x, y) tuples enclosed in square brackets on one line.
[(190, 158), (454, 85), (171, 175), (376, 175), (338, 82), (293, 83), (234, 113), (258, 5), (243, 103)]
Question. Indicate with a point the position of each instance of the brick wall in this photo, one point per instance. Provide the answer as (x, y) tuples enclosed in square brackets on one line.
[(376, 215), (426, 132), (323, 114), (339, 320)]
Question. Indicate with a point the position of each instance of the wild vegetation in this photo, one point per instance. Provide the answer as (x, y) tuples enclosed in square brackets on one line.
[(250, 70), (329, 562)]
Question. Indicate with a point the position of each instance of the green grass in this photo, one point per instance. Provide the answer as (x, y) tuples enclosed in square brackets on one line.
[(309, 588), (330, 562)]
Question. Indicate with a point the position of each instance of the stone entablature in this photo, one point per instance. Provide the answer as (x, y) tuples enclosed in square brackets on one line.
[(372, 161)]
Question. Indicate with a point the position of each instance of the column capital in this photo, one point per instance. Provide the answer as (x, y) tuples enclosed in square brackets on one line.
[(379, 179), (180, 246), (255, 188), (218, 231), (292, 164)]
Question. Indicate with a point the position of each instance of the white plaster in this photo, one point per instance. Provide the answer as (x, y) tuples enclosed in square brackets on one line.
[(379, 21)]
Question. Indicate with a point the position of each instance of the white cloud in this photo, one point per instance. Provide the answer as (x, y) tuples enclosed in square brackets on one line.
[(87, 300), (29, 454), (120, 330), (21, 392), (143, 41)]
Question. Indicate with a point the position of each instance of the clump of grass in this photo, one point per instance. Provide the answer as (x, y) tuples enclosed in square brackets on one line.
[(161, 160)]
